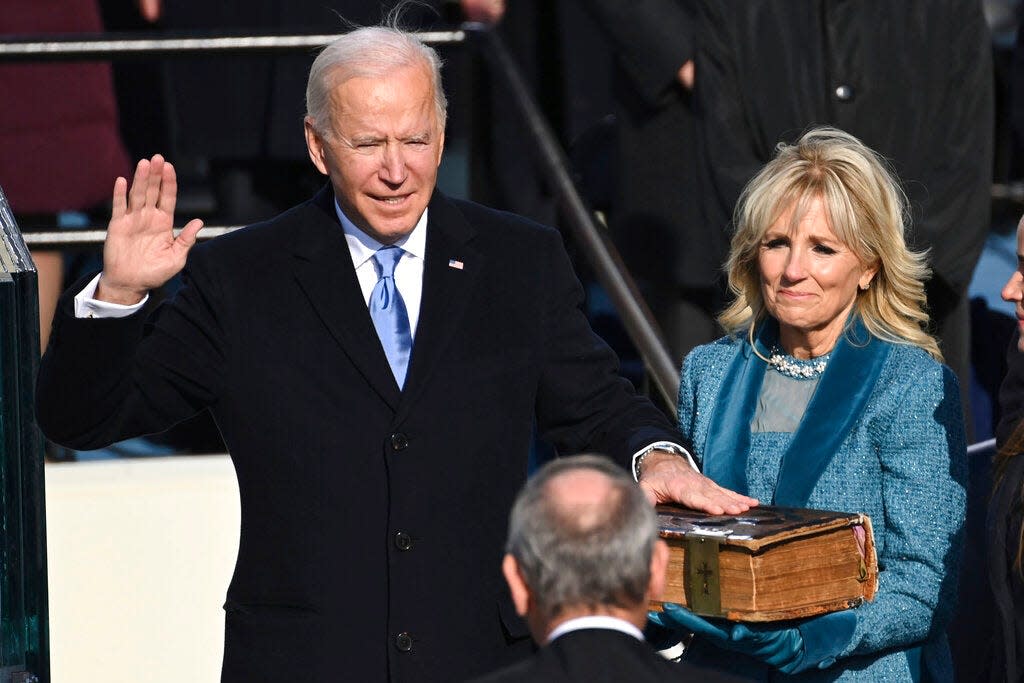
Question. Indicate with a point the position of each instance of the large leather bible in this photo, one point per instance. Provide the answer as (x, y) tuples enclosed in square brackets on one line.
[(768, 564)]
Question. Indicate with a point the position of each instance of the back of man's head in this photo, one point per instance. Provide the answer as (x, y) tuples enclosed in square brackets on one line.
[(582, 534)]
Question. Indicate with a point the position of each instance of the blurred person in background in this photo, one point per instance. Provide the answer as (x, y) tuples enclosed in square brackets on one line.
[(654, 212), (1004, 659)]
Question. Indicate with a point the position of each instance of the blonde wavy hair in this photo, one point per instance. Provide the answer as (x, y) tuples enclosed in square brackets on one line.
[(866, 209)]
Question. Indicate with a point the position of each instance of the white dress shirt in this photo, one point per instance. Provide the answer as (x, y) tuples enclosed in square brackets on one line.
[(596, 621)]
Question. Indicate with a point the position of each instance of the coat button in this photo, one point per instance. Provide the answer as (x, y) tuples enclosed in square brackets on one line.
[(403, 541), (844, 93), (403, 641), (399, 441)]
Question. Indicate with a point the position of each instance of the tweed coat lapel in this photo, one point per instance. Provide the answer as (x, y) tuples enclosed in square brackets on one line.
[(323, 268), (837, 403), (450, 270)]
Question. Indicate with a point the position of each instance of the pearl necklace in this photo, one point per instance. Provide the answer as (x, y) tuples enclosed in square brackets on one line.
[(794, 367)]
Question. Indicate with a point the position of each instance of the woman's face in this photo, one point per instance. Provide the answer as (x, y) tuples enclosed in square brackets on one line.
[(1013, 290), (809, 280)]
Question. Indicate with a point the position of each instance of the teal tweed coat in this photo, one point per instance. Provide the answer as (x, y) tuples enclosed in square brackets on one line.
[(903, 463)]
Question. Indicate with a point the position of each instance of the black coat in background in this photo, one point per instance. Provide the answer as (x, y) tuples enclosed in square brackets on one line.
[(654, 210), (1005, 656), (372, 519), (912, 80), (591, 656), (1011, 392), (1003, 616), (986, 636)]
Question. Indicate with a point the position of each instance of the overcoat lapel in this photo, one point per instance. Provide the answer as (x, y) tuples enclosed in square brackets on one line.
[(451, 269), (323, 268), (728, 442)]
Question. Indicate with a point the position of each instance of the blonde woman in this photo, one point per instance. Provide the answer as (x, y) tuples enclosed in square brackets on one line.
[(830, 394)]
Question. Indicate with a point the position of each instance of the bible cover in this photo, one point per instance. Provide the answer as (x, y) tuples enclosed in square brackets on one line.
[(768, 564)]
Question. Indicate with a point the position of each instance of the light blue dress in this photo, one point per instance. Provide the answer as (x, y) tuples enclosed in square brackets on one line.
[(903, 463)]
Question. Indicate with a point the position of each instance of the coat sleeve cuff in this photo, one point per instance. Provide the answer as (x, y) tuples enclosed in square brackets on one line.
[(660, 446), (86, 306)]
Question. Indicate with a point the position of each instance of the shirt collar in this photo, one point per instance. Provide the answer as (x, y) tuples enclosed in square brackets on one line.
[(363, 247), (596, 621)]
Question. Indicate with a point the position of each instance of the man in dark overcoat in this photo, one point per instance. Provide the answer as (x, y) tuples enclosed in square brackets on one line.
[(654, 211), (376, 359)]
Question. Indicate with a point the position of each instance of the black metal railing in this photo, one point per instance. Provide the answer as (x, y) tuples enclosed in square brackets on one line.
[(106, 46)]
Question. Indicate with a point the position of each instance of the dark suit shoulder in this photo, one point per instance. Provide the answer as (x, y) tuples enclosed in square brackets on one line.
[(590, 656), (514, 246), (490, 228), (475, 213), (276, 233), (265, 247)]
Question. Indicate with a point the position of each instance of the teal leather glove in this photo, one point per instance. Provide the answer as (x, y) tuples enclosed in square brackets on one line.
[(815, 643)]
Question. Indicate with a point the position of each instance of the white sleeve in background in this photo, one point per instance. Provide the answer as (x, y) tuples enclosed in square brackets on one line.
[(88, 307)]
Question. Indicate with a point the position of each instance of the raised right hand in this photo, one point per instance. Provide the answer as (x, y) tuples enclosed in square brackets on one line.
[(141, 252)]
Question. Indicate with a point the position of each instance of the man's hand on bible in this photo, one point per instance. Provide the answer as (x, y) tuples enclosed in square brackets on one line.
[(141, 252), (668, 478)]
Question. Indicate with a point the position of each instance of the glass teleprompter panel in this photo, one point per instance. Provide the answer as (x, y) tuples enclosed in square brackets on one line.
[(24, 627)]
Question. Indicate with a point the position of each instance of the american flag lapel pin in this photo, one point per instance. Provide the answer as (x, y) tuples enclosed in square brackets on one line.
[(456, 264)]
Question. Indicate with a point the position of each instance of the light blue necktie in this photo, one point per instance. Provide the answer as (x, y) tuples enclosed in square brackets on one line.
[(390, 317)]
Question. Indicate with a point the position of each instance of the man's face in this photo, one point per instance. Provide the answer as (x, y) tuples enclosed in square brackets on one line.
[(381, 150), (1013, 290)]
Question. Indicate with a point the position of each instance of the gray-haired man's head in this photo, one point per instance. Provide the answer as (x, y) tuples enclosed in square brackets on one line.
[(581, 538)]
